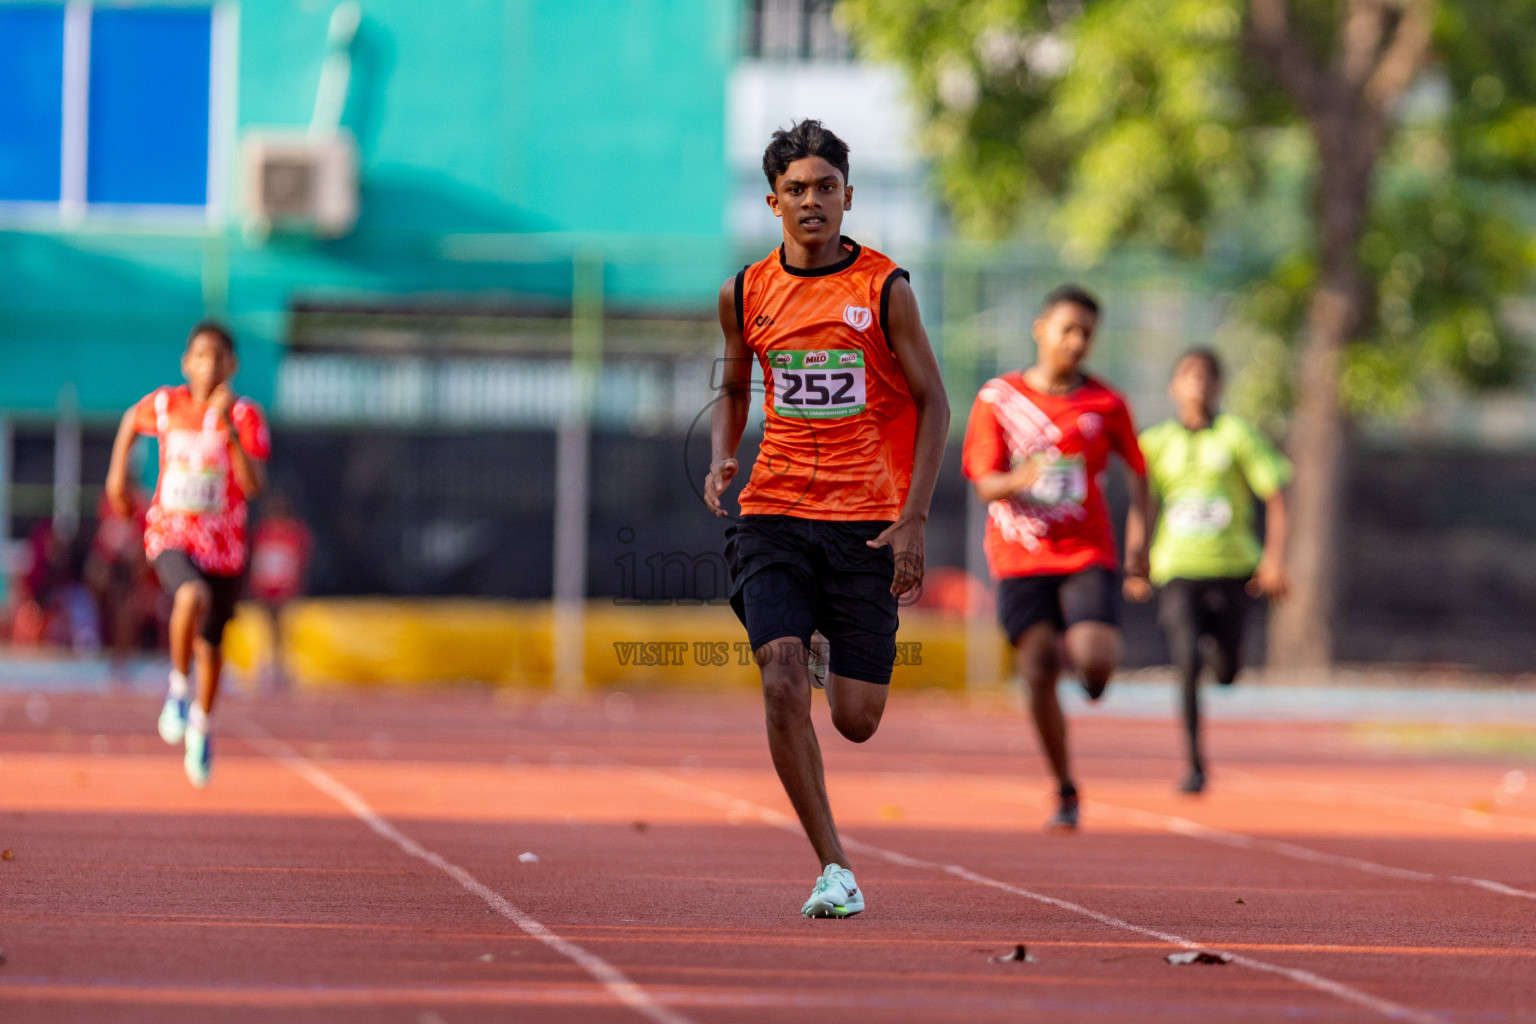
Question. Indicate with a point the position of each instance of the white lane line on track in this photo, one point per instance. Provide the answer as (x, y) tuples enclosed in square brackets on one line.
[(1156, 821), (1332, 794), (610, 977), (744, 808), (1195, 830)]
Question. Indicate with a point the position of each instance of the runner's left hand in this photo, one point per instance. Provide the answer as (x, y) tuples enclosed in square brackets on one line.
[(905, 539)]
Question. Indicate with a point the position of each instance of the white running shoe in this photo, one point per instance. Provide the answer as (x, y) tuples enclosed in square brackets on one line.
[(836, 894), (173, 720), (199, 759)]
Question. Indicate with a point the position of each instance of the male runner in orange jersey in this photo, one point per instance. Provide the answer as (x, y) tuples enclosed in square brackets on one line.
[(1036, 447), (832, 519), (213, 451)]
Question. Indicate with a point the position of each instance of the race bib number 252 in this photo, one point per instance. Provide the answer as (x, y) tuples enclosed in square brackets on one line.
[(819, 384)]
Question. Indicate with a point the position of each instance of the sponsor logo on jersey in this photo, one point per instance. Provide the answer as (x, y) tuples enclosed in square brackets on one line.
[(1090, 425), (783, 359), (858, 317), (847, 358), (816, 359)]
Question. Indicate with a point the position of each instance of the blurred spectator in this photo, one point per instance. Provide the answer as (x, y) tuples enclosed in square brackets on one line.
[(54, 605), (121, 580), (279, 562)]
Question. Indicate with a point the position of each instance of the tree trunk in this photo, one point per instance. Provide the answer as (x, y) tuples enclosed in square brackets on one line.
[(1301, 630)]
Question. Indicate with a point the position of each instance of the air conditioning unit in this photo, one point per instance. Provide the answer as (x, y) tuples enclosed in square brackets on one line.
[(298, 182)]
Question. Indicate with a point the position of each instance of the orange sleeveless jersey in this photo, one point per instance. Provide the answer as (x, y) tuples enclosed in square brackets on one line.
[(840, 421)]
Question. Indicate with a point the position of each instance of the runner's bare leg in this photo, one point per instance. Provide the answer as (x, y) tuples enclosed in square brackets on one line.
[(792, 743), (188, 610), (857, 706), (1094, 648), (1036, 660), (210, 662)]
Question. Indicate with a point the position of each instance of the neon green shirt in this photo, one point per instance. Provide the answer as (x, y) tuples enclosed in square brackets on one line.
[(1205, 481)]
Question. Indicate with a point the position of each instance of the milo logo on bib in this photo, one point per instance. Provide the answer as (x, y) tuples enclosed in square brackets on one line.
[(820, 383)]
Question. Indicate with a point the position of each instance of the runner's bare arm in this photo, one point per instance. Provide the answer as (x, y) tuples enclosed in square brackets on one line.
[(117, 470), (729, 417), (910, 344), (1136, 519), (1139, 588), (250, 473), (1270, 579)]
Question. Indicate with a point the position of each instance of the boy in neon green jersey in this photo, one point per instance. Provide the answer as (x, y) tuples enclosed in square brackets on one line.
[(1204, 468)]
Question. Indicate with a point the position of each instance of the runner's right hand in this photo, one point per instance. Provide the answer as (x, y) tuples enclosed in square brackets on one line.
[(1023, 476), (117, 497), (721, 473)]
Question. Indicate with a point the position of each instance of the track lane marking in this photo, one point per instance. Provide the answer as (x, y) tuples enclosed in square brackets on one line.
[(746, 808), (1238, 840), (1332, 794), (611, 978)]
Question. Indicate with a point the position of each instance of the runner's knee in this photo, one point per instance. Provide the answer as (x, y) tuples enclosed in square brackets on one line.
[(1036, 659), (194, 595), (857, 724), (786, 691)]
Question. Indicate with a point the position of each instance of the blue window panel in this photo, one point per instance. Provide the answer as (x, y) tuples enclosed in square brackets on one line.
[(31, 101), (149, 106)]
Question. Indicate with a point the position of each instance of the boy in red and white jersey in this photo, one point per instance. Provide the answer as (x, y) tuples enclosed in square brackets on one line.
[(213, 451), (279, 562), (1036, 448)]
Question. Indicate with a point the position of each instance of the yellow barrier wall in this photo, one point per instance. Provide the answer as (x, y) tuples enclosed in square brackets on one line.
[(411, 642)]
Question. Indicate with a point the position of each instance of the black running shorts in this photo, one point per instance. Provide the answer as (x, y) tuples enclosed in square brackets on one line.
[(1217, 608), (1092, 595), (790, 576), (176, 567)]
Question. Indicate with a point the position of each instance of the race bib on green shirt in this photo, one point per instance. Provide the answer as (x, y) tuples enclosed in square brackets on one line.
[(1198, 515), (820, 384)]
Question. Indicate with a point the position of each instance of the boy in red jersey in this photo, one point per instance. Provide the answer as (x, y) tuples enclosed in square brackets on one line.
[(1036, 447), (213, 451), (831, 530)]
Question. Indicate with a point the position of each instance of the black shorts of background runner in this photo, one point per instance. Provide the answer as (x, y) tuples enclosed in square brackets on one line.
[(1092, 595), (176, 567), (1191, 609), (791, 576)]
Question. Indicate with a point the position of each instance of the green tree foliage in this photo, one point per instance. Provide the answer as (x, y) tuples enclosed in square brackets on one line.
[(1101, 122)]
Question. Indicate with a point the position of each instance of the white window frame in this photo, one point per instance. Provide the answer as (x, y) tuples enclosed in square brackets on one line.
[(73, 210)]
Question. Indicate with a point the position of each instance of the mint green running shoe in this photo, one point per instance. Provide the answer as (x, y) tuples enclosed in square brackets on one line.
[(199, 759), (173, 720), (836, 894)]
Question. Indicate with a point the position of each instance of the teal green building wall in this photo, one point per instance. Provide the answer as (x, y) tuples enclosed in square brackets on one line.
[(590, 125)]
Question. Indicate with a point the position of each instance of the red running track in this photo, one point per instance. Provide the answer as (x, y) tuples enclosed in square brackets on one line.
[(357, 859)]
